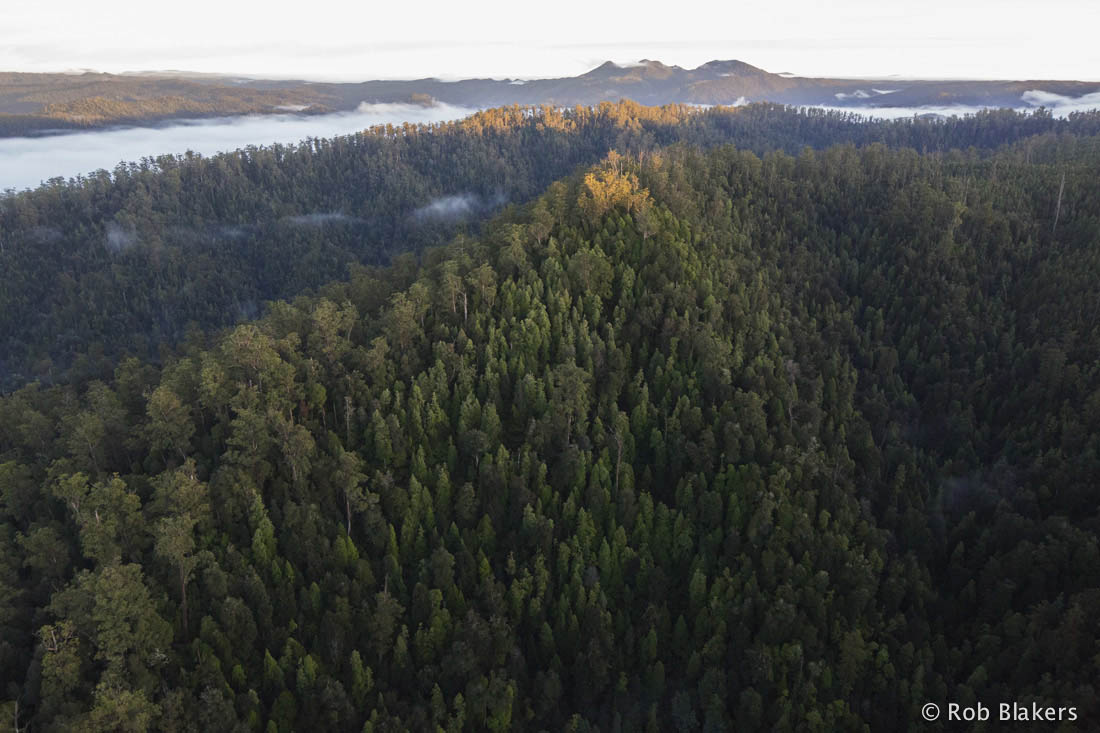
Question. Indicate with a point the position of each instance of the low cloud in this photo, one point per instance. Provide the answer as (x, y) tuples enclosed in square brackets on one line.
[(25, 162), (1060, 107), (398, 112), (457, 206), (1060, 104), (321, 219), (449, 207), (119, 238), (863, 94), (899, 113), (857, 94)]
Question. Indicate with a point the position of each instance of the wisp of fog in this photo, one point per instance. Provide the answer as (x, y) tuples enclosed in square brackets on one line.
[(458, 206), (25, 162)]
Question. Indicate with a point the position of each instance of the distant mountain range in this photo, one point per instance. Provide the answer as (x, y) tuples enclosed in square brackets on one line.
[(715, 82), (37, 102)]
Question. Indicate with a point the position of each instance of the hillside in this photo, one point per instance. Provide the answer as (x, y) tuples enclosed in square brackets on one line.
[(703, 441), (126, 262), (37, 103)]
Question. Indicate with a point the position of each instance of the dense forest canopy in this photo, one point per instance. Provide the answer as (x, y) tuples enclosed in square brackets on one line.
[(123, 262), (694, 440)]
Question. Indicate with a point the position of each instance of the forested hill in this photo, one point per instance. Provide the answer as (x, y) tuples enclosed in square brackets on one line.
[(706, 442), (121, 262), (46, 103)]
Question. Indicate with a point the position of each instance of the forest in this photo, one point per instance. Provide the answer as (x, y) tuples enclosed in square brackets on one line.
[(124, 262), (748, 419)]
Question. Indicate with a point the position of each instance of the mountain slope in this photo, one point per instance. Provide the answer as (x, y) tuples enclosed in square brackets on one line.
[(711, 441), (125, 263)]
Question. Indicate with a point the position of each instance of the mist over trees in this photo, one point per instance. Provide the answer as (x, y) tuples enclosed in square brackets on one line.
[(122, 262)]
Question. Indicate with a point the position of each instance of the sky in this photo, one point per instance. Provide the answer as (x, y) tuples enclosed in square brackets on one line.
[(346, 41)]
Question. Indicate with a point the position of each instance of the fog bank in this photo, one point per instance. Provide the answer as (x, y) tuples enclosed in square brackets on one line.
[(1059, 106), (25, 162)]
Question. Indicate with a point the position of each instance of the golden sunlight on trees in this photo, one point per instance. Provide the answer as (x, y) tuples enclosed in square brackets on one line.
[(611, 187)]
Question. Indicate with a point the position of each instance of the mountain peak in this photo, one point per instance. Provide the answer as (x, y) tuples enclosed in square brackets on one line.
[(732, 67), (643, 67), (607, 67), (652, 69)]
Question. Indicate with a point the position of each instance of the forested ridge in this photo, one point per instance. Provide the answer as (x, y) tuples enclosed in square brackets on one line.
[(122, 262), (696, 440), (33, 104)]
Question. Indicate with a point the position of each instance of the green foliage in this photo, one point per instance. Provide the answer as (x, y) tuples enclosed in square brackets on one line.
[(129, 261), (794, 443)]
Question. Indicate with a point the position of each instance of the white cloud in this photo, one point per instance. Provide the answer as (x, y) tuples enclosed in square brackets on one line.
[(1059, 104), (857, 94), (449, 207), (457, 206), (119, 238)]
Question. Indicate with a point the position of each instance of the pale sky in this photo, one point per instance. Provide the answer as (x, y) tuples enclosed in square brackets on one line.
[(364, 39)]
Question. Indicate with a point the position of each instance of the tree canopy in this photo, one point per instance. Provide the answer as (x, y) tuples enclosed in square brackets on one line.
[(695, 440)]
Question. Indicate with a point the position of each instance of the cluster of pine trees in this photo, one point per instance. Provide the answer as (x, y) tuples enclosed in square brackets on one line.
[(696, 440)]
